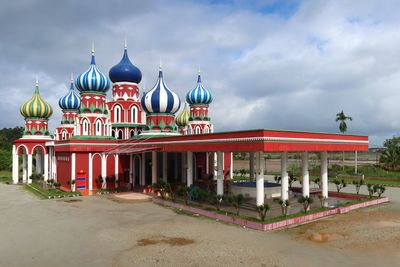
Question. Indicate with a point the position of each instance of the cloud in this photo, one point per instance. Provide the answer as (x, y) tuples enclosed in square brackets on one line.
[(269, 64)]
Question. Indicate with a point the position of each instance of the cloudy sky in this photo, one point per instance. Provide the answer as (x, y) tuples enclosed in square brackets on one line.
[(269, 64)]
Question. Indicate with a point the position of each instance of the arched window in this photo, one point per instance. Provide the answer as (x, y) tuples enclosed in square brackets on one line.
[(113, 133), (64, 135), (132, 133), (189, 130), (119, 134), (117, 114), (134, 114), (139, 132), (198, 130), (98, 127), (206, 130), (85, 126)]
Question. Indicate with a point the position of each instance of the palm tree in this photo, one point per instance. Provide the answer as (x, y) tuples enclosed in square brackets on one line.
[(342, 118)]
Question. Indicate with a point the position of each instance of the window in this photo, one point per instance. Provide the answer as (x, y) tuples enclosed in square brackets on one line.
[(132, 133), (85, 125), (198, 130), (117, 114), (206, 130), (98, 127), (119, 134), (63, 135), (134, 114)]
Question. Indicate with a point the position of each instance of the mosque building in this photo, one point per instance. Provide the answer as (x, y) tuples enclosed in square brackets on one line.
[(129, 141)]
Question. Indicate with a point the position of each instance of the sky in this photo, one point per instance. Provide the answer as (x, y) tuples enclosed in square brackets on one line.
[(271, 64)]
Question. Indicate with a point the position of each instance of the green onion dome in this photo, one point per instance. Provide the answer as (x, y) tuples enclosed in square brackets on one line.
[(183, 118), (36, 107)]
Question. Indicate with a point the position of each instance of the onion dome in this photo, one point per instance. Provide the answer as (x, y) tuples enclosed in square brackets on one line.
[(125, 71), (92, 79), (71, 100), (199, 95), (36, 107), (160, 99), (183, 118)]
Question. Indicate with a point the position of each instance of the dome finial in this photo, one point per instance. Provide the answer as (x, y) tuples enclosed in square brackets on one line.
[(198, 75), (160, 69), (37, 81), (126, 44), (93, 62), (72, 82)]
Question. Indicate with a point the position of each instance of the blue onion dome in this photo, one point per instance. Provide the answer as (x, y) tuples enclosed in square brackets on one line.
[(160, 99), (70, 101), (182, 119), (125, 71), (92, 80), (36, 107), (199, 95)]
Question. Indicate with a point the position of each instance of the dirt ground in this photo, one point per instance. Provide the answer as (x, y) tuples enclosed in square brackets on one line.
[(98, 231)]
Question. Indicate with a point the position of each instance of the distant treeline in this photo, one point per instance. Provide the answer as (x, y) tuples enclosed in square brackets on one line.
[(7, 136)]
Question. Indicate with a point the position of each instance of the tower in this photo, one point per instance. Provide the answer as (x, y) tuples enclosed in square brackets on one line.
[(126, 114), (69, 105), (160, 104), (199, 100), (182, 120), (93, 117)]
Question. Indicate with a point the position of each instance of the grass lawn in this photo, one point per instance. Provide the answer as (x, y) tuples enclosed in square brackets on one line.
[(48, 193), (5, 177)]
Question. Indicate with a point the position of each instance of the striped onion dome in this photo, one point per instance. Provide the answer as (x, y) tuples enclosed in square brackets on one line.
[(160, 99), (199, 95), (92, 79), (125, 71), (183, 118), (36, 107), (70, 101)]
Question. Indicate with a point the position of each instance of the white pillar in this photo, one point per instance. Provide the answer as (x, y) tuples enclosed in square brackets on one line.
[(165, 166), (189, 172), (251, 167), (153, 167), (284, 177), (305, 174), (231, 167), (220, 173), (116, 174), (38, 167), (15, 169), (29, 168), (207, 164), (215, 166), (143, 169), (90, 172), (324, 173), (260, 178), (104, 170), (24, 168), (46, 167), (131, 169), (54, 174), (73, 170), (184, 167)]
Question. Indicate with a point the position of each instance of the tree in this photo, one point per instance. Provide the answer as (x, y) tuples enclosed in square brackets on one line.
[(236, 201), (342, 118), (358, 184), (339, 184), (7, 136), (391, 155), (284, 206), (262, 211), (216, 201), (306, 201), (371, 190), (184, 192), (292, 179), (379, 189)]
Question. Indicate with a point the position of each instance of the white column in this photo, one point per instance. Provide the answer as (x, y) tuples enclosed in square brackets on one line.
[(73, 169), (143, 170), (54, 174), (46, 167), (305, 174), (24, 168), (116, 163), (231, 167), (215, 166), (220, 173), (15, 169), (165, 166), (38, 167), (324, 173), (284, 177), (104, 170), (90, 172), (131, 169), (207, 164), (260, 178), (189, 173), (29, 168), (153, 167), (251, 167)]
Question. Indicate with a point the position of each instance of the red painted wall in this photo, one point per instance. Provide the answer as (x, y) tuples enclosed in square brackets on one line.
[(63, 168)]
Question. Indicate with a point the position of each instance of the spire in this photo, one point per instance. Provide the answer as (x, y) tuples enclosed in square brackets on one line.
[(198, 77), (93, 62), (37, 85), (72, 82), (126, 44), (160, 75)]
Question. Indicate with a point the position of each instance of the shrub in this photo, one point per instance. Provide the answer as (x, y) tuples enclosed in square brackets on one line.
[(68, 182), (216, 201), (358, 184), (321, 199), (371, 190), (183, 191), (292, 179), (262, 211), (306, 201), (236, 201), (73, 181), (379, 189), (57, 184), (317, 181), (284, 206), (340, 184), (160, 186), (277, 179)]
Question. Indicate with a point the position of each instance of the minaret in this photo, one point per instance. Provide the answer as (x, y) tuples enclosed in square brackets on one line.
[(199, 100), (160, 104), (36, 112), (127, 116), (70, 107), (93, 118)]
